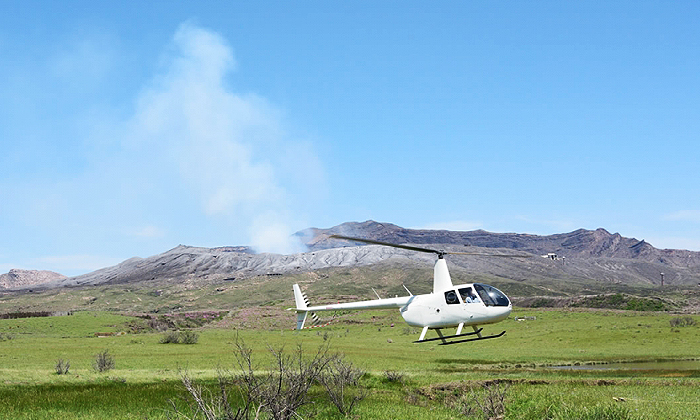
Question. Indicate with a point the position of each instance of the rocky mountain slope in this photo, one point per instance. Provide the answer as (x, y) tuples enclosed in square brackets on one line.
[(581, 243), (591, 257), (187, 263), (26, 278)]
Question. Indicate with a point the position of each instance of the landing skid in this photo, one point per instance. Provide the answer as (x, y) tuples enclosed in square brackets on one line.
[(446, 338), (472, 339)]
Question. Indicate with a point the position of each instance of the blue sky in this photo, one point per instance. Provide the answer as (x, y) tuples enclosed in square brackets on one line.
[(131, 127)]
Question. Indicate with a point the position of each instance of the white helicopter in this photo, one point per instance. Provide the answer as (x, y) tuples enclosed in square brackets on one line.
[(448, 306)]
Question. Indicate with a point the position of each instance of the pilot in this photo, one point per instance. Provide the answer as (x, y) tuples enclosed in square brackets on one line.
[(468, 295)]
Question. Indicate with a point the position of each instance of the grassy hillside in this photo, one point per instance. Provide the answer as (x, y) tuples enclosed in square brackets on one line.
[(435, 378)]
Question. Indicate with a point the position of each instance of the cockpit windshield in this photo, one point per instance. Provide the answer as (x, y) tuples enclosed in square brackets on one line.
[(491, 296)]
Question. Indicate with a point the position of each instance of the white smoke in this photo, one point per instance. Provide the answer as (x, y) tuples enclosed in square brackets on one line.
[(229, 150), (269, 234), (208, 132), (184, 159)]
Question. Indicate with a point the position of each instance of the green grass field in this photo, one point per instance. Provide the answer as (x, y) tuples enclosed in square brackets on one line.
[(437, 379)]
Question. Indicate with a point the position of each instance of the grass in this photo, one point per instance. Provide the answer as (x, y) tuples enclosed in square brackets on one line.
[(146, 372)]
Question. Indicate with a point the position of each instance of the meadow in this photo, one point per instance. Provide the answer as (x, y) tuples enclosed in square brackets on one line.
[(442, 382)]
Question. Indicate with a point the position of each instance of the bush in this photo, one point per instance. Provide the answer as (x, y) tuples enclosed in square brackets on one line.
[(209, 406), (188, 337), (160, 324), (685, 321), (394, 376), (180, 337), (284, 388), (171, 337), (279, 390), (645, 304), (543, 302), (16, 315), (599, 412), (337, 378), (103, 361), (62, 366), (491, 403)]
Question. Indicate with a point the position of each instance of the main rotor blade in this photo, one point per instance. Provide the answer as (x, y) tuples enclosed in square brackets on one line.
[(373, 242), (488, 255), (419, 249)]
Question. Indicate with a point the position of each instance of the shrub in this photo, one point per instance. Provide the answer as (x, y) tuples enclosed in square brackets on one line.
[(645, 304), (394, 376), (623, 301), (338, 377), (62, 366), (180, 337), (284, 388), (685, 321), (171, 337), (103, 361), (491, 403), (16, 315), (543, 302), (188, 337), (279, 392), (211, 407), (599, 412), (160, 324)]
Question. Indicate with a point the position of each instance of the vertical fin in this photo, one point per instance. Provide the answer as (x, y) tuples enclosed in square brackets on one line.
[(302, 303), (300, 298)]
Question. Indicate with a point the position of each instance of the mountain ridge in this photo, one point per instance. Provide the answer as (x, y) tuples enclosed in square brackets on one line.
[(581, 255), (578, 243)]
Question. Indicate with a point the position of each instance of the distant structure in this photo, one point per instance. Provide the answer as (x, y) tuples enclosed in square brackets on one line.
[(554, 257)]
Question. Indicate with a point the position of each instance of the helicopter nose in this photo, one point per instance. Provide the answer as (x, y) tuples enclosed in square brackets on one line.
[(504, 312), (507, 311)]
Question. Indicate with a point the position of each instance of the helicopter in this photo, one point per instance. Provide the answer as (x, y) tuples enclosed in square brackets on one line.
[(448, 306)]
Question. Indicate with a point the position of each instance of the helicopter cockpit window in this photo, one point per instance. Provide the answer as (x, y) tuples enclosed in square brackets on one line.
[(491, 296), (451, 297), (468, 295)]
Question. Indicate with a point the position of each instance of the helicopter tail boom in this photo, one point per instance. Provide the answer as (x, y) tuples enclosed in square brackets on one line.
[(303, 309)]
